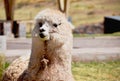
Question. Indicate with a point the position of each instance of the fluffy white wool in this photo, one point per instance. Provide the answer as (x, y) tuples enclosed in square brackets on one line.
[(50, 58)]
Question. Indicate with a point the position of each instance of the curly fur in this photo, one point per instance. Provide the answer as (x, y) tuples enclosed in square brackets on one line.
[(50, 59)]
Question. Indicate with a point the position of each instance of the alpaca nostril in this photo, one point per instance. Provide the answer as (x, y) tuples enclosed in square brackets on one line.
[(41, 30), (41, 35)]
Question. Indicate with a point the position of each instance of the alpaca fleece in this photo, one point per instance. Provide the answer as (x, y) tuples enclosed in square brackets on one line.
[(50, 58)]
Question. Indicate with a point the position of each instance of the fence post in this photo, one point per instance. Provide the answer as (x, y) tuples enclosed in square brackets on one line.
[(1, 28), (9, 10), (63, 6)]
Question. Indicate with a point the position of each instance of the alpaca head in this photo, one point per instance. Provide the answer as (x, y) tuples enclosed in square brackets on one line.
[(51, 24)]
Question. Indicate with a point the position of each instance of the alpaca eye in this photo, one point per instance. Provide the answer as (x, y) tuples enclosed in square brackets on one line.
[(40, 24), (55, 25)]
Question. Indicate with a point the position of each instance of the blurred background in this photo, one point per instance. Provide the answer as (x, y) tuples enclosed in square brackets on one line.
[(86, 15), (96, 42)]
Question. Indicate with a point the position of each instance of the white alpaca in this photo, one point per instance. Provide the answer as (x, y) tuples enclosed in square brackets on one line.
[(50, 58)]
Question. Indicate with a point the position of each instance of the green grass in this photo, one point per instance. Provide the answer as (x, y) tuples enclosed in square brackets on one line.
[(3, 65), (2, 60), (96, 35), (2, 69), (96, 71), (93, 71)]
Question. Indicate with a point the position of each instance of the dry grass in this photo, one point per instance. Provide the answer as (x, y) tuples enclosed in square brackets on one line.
[(92, 11), (81, 11)]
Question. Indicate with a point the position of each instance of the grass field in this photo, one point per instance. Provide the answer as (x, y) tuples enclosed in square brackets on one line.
[(94, 71), (2, 62), (3, 69), (81, 11), (94, 35)]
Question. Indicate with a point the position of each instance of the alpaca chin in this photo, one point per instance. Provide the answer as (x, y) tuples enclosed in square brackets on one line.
[(45, 38)]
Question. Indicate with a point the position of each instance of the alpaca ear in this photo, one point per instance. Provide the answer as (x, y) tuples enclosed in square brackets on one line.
[(71, 25)]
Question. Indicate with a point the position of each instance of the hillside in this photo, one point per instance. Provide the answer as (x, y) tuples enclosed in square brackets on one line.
[(81, 11)]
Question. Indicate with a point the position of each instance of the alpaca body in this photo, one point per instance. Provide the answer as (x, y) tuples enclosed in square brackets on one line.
[(50, 58)]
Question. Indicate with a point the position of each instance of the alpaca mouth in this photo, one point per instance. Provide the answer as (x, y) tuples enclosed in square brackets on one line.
[(44, 36)]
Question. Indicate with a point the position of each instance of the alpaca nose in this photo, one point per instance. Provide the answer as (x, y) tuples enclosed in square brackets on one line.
[(42, 30)]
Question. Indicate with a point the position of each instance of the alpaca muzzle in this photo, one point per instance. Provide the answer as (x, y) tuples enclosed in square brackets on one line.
[(44, 33)]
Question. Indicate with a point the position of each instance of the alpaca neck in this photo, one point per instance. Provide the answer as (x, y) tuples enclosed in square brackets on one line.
[(44, 53), (45, 57)]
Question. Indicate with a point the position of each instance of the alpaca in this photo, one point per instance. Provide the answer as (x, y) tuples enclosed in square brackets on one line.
[(50, 58)]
